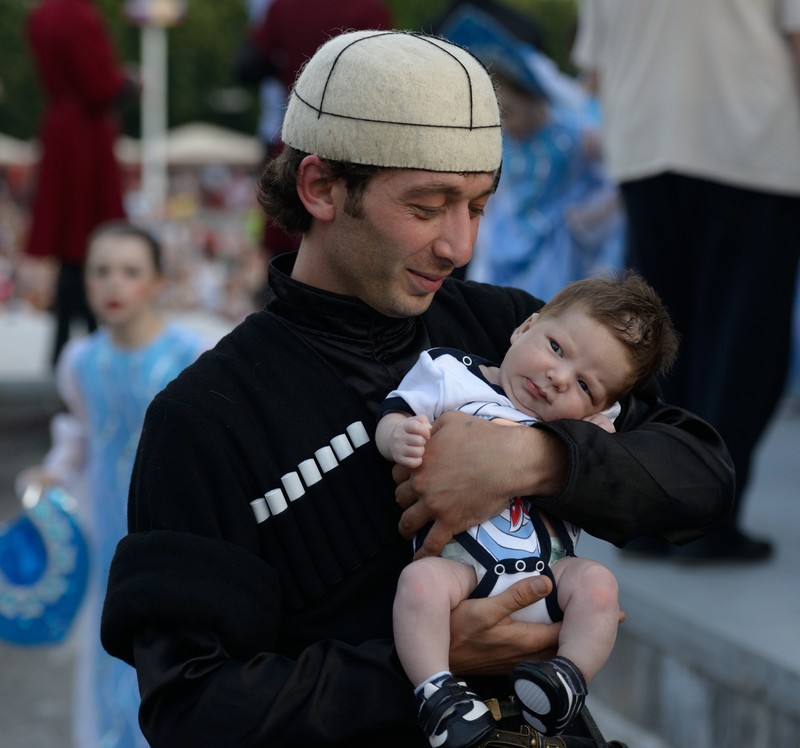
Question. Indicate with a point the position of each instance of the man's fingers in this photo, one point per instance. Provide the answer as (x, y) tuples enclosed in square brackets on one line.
[(436, 539), (520, 595), (400, 474), (413, 519)]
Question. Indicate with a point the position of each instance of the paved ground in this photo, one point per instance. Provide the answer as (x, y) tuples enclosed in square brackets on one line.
[(758, 607)]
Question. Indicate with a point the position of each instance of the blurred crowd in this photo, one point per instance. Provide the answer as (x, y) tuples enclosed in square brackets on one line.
[(210, 228)]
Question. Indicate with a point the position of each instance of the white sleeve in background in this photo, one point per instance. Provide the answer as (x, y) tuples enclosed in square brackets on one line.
[(67, 456), (68, 453)]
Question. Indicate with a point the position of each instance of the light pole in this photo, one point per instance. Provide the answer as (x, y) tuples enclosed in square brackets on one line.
[(154, 17)]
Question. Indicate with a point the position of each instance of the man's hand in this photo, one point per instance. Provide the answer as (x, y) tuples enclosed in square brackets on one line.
[(471, 469), (484, 640)]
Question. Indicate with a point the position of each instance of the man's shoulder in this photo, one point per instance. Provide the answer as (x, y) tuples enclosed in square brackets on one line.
[(222, 365), (481, 300)]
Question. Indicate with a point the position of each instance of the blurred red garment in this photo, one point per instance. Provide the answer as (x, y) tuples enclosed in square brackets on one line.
[(292, 31), (288, 36), (79, 182)]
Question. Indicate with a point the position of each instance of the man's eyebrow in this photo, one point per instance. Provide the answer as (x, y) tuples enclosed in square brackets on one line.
[(441, 188)]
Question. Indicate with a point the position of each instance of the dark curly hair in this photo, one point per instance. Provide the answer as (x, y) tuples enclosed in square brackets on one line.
[(277, 189)]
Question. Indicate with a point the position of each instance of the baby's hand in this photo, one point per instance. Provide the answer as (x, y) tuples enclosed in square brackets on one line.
[(598, 419), (409, 438)]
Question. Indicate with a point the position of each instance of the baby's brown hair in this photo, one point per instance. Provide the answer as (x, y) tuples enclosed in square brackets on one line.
[(631, 310)]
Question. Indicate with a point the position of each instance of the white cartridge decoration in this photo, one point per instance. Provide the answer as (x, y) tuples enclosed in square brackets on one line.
[(293, 485), (310, 472), (341, 446), (260, 510), (326, 459), (358, 434), (276, 501)]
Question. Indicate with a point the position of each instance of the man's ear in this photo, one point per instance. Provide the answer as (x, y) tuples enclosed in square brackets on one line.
[(524, 327), (315, 188)]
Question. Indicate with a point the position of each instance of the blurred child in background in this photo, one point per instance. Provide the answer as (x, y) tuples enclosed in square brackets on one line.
[(107, 380)]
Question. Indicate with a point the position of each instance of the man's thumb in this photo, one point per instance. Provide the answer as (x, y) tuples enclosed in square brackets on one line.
[(527, 592)]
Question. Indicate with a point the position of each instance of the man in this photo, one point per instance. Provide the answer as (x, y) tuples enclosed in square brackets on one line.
[(254, 593), (701, 105)]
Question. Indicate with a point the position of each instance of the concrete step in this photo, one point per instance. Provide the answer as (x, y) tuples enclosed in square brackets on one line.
[(709, 655)]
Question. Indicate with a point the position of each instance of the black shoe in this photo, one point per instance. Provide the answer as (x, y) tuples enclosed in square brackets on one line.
[(724, 544), (654, 548), (547, 697), (452, 716)]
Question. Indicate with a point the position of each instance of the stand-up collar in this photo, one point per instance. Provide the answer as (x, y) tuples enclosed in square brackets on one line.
[(370, 350)]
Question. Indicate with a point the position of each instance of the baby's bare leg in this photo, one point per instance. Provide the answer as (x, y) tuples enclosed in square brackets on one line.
[(552, 692), (588, 595), (428, 589)]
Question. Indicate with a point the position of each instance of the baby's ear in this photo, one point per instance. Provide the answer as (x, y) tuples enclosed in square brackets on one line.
[(524, 327)]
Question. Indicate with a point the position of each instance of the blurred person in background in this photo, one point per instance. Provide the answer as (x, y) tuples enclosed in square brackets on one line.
[(79, 183), (107, 380), (701, 107), (556, 216), (284, 34)]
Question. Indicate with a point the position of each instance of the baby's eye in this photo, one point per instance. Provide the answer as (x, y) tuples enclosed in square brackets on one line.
[(556, 347), (584, 386)]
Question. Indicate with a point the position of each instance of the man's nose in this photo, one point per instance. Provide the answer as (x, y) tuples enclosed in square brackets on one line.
[(457, 238)]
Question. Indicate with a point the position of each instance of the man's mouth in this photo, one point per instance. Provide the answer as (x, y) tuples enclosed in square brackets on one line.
[(430, 282)]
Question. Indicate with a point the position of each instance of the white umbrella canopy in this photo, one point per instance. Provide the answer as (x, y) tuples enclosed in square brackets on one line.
[(15, 152), (198, 144)]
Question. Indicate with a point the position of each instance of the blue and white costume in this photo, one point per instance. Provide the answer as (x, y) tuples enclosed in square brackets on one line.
[(515, 543), (107, 390)]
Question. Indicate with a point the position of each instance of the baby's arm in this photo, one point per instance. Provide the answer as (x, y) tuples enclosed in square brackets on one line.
[(402, 438), (604, 422)]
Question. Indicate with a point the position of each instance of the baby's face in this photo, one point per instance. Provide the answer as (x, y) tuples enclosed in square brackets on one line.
[(563, 366)]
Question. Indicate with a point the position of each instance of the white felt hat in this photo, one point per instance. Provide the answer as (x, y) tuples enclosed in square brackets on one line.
[(396, 99)]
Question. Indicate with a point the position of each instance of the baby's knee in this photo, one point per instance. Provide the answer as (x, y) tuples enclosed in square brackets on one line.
[(590, 581), (601, 586), (418, 580)]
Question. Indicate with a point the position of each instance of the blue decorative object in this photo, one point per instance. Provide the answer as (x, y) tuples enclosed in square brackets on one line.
[(494, 46), (44, 568)]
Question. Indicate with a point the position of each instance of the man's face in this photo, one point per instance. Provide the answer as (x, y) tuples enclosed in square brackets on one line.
[(417, 226), (563, 366)]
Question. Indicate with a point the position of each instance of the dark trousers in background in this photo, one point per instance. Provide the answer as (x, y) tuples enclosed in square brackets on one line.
[(70, 304), (724, 260)]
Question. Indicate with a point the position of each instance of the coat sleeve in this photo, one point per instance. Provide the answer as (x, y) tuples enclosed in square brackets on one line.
[(665, 473)]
